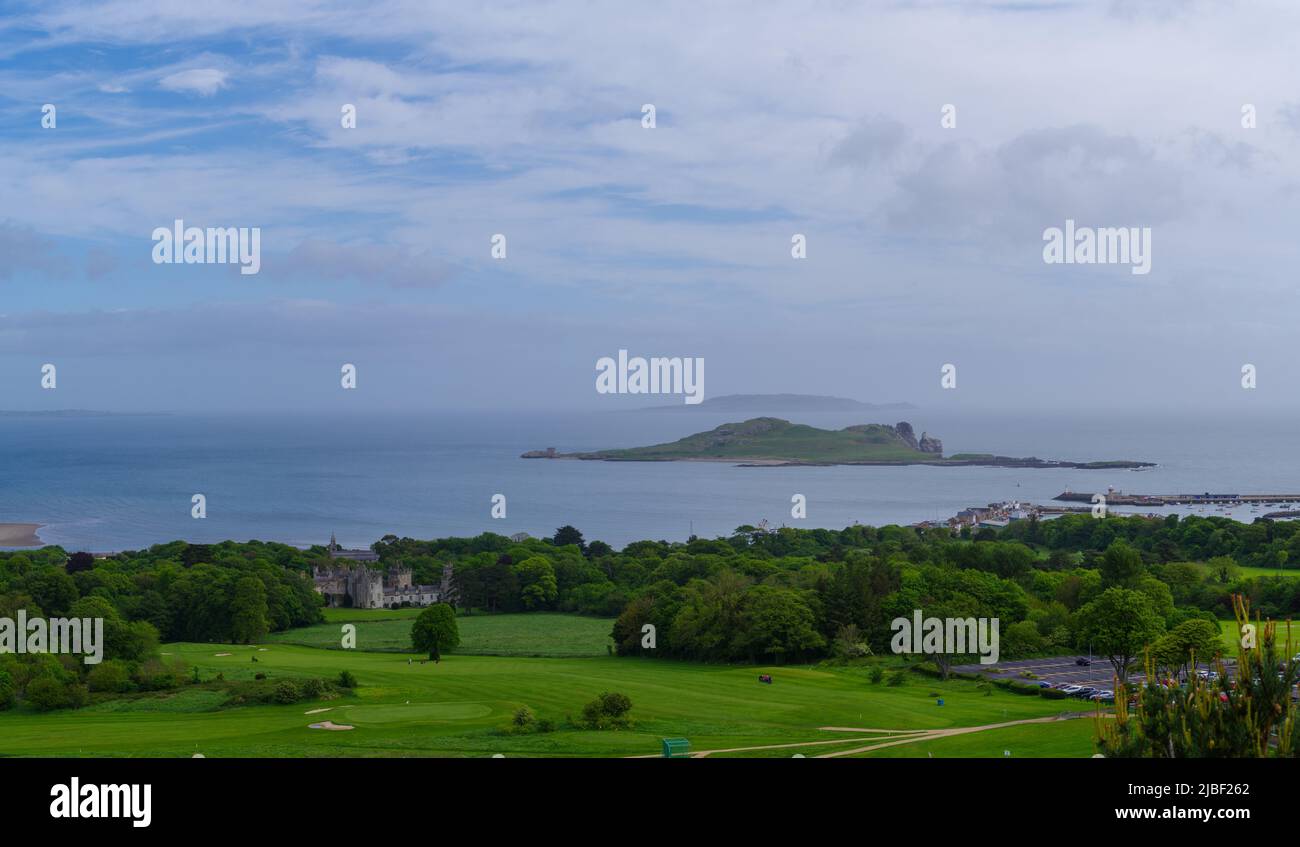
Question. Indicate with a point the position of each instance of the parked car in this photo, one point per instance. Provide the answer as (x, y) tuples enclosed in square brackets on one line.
[(1072, 689), (1084, 692), (1105, 695), (1082, 662)]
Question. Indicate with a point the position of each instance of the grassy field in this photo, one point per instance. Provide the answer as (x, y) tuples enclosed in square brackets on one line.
[(536, 634), (462, 706), (1255, 572), (1231, 635)]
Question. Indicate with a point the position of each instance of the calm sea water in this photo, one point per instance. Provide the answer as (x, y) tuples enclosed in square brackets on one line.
[(113, 483)]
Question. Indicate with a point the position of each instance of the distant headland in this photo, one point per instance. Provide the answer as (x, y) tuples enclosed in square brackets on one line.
[(774, 441), (76, 413), (766, 404)]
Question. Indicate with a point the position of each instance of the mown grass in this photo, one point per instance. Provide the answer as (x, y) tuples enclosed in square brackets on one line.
[(1230, 633), (534, 634), (462, 707)]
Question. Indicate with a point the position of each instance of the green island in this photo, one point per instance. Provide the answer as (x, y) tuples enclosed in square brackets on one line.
[(775, 441)]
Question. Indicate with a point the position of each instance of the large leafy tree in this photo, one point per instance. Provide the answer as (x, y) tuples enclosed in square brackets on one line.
[(537, 584), (1119, 625), (248, 611), (1121, 566), (567, 535), (779, 623), (1196, 640), (435, 630)]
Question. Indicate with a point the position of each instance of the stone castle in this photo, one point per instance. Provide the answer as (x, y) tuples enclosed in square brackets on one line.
[(349, 581)]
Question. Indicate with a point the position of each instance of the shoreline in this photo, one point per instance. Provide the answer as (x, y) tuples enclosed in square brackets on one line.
[(958, 461), (20, 535)]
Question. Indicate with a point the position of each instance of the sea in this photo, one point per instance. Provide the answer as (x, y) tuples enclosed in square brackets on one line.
[(112, 483)]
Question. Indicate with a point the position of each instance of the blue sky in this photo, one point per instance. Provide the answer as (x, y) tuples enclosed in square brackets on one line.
[(525, 119)]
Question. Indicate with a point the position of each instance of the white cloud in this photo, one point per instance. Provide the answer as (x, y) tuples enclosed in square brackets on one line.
[(202, 81)]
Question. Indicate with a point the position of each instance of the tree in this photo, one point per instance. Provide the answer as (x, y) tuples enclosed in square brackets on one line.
[(537, 585), (435, 630), (6, 690), (1194, 640), (608, 711), (1223, 568), (1119, 625), (1121, 566), (1249, 716), (248, 611), (567, 535), (53, 590), (777, 622), (80, 562)]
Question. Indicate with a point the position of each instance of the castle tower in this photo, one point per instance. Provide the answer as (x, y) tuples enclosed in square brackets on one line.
[(447, 592)]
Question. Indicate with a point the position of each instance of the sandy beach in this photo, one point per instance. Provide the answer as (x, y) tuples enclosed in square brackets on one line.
[(20, 535)]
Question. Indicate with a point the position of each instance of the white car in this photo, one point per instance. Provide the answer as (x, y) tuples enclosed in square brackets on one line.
[(1072, 689)]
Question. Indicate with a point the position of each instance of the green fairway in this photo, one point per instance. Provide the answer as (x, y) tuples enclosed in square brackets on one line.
[(1231, 636), (535, 634), (461, 707)]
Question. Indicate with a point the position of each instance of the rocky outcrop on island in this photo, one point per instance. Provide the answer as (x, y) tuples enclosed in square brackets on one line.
[(930, 445), (905, 432)]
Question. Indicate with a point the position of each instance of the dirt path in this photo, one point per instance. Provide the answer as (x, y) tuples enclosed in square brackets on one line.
[(937, 733), (894, 738)]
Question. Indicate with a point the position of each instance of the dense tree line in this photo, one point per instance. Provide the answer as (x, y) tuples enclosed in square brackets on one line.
[(795, 594), (756, 595), (172, 592)]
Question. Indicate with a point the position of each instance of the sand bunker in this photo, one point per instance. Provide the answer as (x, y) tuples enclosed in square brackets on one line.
[(221, 654), (263, 649), (330, 725), (317, 711)]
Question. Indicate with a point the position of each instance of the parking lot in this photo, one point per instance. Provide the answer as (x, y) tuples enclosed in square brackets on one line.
[(1057, 670)]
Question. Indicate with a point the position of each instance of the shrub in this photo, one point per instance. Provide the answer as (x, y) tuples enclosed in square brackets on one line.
[(523, 717), (6, 690), (47, 693), (897, 677), (259, 676), (1023, 687), (877, 675), (608, 711), (1052, 693), (286, 692), (347, 680), (313, 689), (111, 676)]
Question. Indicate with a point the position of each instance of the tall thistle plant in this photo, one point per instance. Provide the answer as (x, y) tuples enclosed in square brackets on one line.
[(1251, 715)]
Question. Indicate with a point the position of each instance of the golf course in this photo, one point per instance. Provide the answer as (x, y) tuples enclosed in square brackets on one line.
[(462, 706)]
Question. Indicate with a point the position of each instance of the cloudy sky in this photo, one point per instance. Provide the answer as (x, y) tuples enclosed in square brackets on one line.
[(924, 242)]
